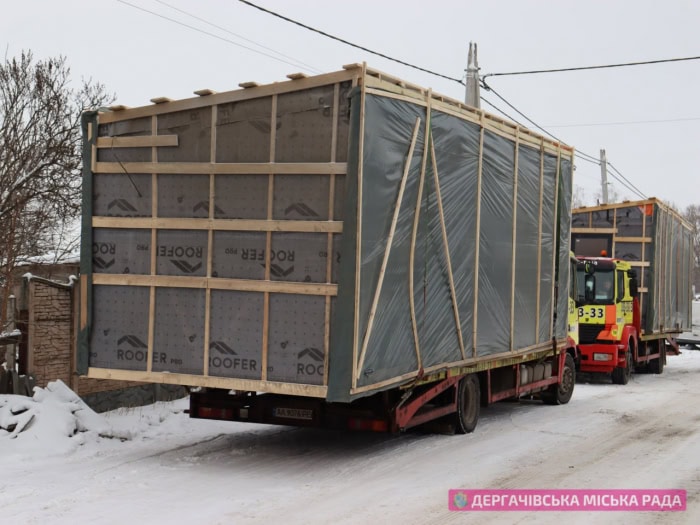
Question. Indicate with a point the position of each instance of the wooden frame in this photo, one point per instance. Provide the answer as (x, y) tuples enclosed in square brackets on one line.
[(369, 81)]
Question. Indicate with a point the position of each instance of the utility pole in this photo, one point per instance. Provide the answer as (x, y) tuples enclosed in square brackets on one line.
[(604, 175), (472, 96)]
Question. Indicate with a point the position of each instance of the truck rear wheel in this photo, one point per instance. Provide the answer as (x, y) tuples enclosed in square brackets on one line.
[(561, 394), (621, 375), (468, 404), (656, 366)]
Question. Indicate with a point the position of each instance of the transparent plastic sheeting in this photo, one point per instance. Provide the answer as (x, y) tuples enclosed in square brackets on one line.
[(521, 230)]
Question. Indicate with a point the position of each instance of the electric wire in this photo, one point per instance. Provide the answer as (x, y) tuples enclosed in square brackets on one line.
[(199, 30), (220, 28), (578, 153), (623, 178), (587, 68), (581, 154), (407, 64)]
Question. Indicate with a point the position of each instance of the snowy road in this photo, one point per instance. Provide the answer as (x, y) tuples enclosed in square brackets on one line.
[(173, 470)]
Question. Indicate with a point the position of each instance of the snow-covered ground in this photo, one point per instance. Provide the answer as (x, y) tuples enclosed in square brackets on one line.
[(61, 463)]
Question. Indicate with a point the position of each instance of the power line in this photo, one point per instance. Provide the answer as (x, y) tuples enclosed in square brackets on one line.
[(310, 67), (207, 33), (580, 155), (622, 178), (585, 68), (459, 81)]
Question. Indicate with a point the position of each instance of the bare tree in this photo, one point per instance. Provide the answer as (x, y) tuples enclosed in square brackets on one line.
[(578, 197), (40, 158)]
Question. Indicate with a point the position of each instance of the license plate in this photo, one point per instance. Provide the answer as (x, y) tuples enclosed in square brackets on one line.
[(294, 413)]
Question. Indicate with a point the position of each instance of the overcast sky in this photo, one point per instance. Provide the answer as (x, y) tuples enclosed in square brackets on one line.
[(647, 118)]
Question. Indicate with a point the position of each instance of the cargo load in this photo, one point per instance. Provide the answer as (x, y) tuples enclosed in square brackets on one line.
[(330, 237)]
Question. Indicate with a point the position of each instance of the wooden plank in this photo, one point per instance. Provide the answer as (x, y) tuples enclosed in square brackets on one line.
[(240, 285), (389, 242), (224, 168), (275, 88), (210, 241), (555, 255), (247, 85), (539, 248), (479, 176), (161, 100), (204, 92), (297, 76), (514, 233), (640, 240), (358, 232), (153, 260), (118, 107), (147, 141), (225, 383), (265, 342), (329, 242), (446, 247), (609, 231), (250, 225), (414, 235)]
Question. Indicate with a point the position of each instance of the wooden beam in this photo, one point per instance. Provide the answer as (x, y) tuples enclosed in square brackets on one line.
[(224, 168), (245, 225), (225, 383), (610, 231), (204, 92), (216, 283), (161, 100), (297, 76), (414, 235), (246, 85), (145, 141)]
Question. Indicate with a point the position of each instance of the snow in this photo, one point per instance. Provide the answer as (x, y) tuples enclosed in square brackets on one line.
[(64, 464)]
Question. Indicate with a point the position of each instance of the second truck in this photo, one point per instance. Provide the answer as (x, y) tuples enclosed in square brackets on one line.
[(634, 292)]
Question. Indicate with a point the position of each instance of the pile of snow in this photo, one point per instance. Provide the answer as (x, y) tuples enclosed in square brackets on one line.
[(55, 421)]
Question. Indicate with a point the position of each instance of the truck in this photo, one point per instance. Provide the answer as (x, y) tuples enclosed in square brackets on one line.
[(346, 250), (635, 263)]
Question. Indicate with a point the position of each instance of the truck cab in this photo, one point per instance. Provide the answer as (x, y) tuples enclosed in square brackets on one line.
[(608, 313)]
